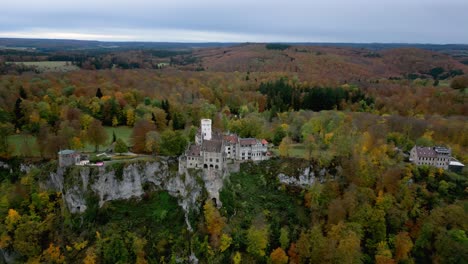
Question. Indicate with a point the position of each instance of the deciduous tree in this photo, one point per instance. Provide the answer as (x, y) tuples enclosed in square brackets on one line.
[(96, 134), (278, 256), (141, 128)]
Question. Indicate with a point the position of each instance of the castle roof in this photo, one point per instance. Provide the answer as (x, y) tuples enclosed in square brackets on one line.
[(248, 141), (231, 138), (212, 146), (194, 150)]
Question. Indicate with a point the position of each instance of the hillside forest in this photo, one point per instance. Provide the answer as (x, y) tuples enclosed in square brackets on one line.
[(354, 112)]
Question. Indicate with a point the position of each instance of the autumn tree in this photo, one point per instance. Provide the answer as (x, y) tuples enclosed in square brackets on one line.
[(141, 128), (403, 246), (278, 256), (284, 237), (152, 142), (459, 82), (257, 239), (284, 147), (214, 222), (96, 134)]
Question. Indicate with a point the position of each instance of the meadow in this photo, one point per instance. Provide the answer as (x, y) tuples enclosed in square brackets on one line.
[(50, 66), (25, 145)]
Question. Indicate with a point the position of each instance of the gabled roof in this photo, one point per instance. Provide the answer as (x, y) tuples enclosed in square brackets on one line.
[(212, 146), (264, 142), (426, 152), (231, 138), (248, 141), (194, 150)]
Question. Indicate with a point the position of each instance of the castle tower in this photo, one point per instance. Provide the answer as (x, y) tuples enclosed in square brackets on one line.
[(206, 129)]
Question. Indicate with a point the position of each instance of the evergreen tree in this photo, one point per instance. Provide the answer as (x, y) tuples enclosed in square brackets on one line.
[(22, 93), (120, 146), (153, 118), (18, 113), (167, 108), (99, 93), (114, 138)]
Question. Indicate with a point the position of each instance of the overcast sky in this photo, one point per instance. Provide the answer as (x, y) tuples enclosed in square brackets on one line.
[(408, 21)]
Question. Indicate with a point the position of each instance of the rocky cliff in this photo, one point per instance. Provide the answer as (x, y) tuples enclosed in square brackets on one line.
[(117, 181)]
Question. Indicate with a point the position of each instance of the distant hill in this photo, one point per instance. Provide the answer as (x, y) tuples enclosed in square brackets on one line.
[(339, 64), (67, 44), (317, 63), (51, 45)]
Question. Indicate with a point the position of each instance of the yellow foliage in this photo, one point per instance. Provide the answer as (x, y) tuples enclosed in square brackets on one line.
[(105, 98), (53, 254), (85, 121), (130, 117), (428, 135), (237, 259), (403, 246), (139, 250), (90, 256), (328, 138), (226, 241), (34, 117), (26, 180), (278, 256), (115, 121), (383, 254), (285, 147), (366, 142), (5, 240), (257, 240), (214, 221), (379, 198), (12, 218), (34, 260), (80, 245), (76, 143), (285, 127)]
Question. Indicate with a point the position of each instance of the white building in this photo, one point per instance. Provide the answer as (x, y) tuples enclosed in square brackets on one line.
[(213, 149), (439, 157)]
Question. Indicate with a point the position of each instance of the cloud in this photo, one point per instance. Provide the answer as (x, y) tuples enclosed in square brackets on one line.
[(239, 21)]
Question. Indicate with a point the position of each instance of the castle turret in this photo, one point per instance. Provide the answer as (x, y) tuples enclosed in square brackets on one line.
[(206, 129)]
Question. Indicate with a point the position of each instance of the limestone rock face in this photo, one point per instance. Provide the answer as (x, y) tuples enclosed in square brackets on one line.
[(305, 179), (109, 185)]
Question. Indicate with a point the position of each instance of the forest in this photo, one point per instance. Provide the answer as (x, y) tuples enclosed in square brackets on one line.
[(352, 113)]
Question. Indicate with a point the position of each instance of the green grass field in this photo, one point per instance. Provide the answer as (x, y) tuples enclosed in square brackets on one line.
[(26, 144), (50, 66), (296, 151)]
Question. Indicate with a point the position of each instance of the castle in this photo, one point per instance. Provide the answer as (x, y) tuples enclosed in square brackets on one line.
[(212, 150)]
